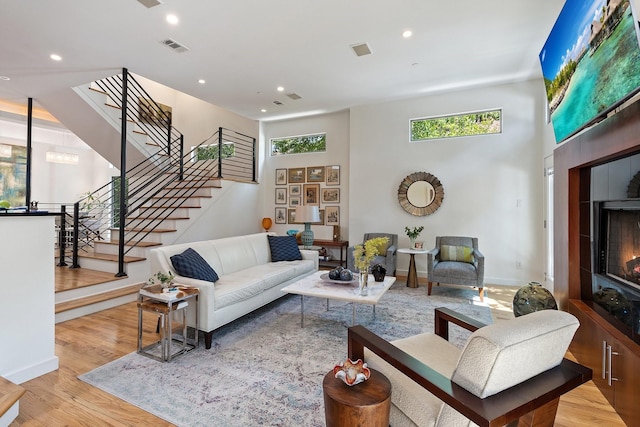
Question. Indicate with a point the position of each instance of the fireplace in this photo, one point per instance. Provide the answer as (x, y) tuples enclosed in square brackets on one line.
[(616, 284)]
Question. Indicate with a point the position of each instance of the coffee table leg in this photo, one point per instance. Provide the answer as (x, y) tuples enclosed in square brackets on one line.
[(374, 311), (302, 311), (327, 304)]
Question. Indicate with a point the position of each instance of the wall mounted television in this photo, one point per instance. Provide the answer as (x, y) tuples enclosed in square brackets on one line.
[(590, 63)]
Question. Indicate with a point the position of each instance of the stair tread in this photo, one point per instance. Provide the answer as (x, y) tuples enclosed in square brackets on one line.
[(142, 244), (93, 299), (110, 257), (10, 393)]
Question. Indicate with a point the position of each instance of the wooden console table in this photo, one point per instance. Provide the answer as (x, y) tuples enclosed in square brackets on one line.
[(341, 244)]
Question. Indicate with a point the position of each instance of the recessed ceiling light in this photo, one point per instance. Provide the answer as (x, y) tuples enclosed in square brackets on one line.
[(5, 78), (172, 19), (406, 34), (264, 110), (201, 81), (55, 57), (280, 89)]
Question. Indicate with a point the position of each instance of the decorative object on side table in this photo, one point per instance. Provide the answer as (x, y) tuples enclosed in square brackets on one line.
[(363, 255), (533, 297), (378, 272), (413, 234), (307, 215), (351, 372), (266, 223), (163, 279)]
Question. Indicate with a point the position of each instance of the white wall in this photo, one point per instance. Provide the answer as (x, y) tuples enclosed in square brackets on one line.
[(27, 315), (336, 126), (492, 184)]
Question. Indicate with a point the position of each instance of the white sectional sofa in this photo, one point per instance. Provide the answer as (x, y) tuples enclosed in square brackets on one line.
[(248, 279)]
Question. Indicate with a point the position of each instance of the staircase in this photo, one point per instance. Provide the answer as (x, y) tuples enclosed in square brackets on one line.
[(160, 195)]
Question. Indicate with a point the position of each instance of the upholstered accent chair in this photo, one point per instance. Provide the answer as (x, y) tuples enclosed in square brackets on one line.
[(388, 259), (456, 260), (511, 370)]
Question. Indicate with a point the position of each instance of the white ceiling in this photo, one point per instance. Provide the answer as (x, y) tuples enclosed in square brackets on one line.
[(244, 49)]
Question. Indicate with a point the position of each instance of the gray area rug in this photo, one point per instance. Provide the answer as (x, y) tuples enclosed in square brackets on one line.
[(264, 369)]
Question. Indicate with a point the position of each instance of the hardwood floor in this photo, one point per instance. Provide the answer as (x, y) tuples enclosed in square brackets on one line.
[(61, 399)]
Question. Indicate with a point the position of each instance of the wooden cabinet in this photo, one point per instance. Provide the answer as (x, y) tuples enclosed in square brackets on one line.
[(613, 358)]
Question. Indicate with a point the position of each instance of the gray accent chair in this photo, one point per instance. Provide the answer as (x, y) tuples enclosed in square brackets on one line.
[(456, 272), (388, 260)]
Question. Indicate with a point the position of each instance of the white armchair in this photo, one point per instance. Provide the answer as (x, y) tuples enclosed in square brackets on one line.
[(506, 371)]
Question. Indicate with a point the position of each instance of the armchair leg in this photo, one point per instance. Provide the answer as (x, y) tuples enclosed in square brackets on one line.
[(544, 416), (481, 292), (429, 286)]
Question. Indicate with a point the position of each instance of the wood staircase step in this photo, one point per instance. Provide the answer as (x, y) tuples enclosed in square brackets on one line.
[(110, 257), (141, 244), (93, 299), (147, 230), (10, 393)]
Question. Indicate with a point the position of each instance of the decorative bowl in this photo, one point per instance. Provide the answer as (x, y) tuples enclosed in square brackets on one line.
[(325, 278), (351, 372)]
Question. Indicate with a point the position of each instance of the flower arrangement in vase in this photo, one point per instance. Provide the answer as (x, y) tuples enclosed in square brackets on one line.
[(362, 257), (164, 279), (413, 234)]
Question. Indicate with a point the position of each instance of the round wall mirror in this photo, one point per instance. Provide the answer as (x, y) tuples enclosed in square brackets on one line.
[(420, 194)]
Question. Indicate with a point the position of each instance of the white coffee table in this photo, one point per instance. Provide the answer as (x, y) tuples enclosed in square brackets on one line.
[(313, 286)]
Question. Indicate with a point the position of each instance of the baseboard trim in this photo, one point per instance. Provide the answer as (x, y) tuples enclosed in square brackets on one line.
[(33, 371)]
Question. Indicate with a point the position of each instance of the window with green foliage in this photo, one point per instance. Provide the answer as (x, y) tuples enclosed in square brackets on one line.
[(210, 152), (299, 144), (478, 123)]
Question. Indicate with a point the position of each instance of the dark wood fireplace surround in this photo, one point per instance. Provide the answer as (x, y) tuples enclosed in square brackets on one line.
[(613, 357)]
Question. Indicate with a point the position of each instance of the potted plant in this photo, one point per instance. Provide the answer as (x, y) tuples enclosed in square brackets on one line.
[(164, 279), (413, 234), (362, 257)]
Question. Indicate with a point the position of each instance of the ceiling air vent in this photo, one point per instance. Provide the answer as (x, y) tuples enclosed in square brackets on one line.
[(294, 96), (177, 47), (278, 103), (361, 49), (150, 3)]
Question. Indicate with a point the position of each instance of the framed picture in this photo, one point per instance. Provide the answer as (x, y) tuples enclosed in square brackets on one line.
[(295, 201), (295, 190), (291, 216), (333, 175), (152, 112), (332, 215), (281, 215), (311, 194), (315, 174), (281, 196), (330, 195), (296, 175), (281, 176)]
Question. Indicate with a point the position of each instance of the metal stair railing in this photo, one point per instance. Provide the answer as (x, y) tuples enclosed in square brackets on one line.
[(170, 172)]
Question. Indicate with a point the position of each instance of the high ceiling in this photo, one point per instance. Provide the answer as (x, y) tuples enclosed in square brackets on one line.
[(245, 49)]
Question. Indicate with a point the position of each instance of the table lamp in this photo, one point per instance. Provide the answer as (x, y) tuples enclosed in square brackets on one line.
[(307, 215)]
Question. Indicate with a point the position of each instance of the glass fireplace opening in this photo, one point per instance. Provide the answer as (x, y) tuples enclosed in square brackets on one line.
[(616, 284)]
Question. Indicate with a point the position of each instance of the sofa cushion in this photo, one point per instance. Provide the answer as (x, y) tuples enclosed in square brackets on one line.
[(456, 253), (284, 248), (236, 287), (190, 264)]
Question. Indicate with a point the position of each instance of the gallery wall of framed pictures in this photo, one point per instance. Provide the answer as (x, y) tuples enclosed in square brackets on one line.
[(312, 185)]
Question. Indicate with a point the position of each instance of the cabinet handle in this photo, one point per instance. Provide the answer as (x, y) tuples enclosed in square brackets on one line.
[(609, 354), (604, 360)]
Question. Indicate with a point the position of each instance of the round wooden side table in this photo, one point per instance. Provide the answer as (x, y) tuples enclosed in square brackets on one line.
[(365, 404), (412, 275)]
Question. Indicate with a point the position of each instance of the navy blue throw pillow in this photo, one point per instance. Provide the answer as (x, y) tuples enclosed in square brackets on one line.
[(190, 264), (284, 248)]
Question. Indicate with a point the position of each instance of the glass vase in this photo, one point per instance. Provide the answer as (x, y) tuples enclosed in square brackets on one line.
[(362, 282)]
